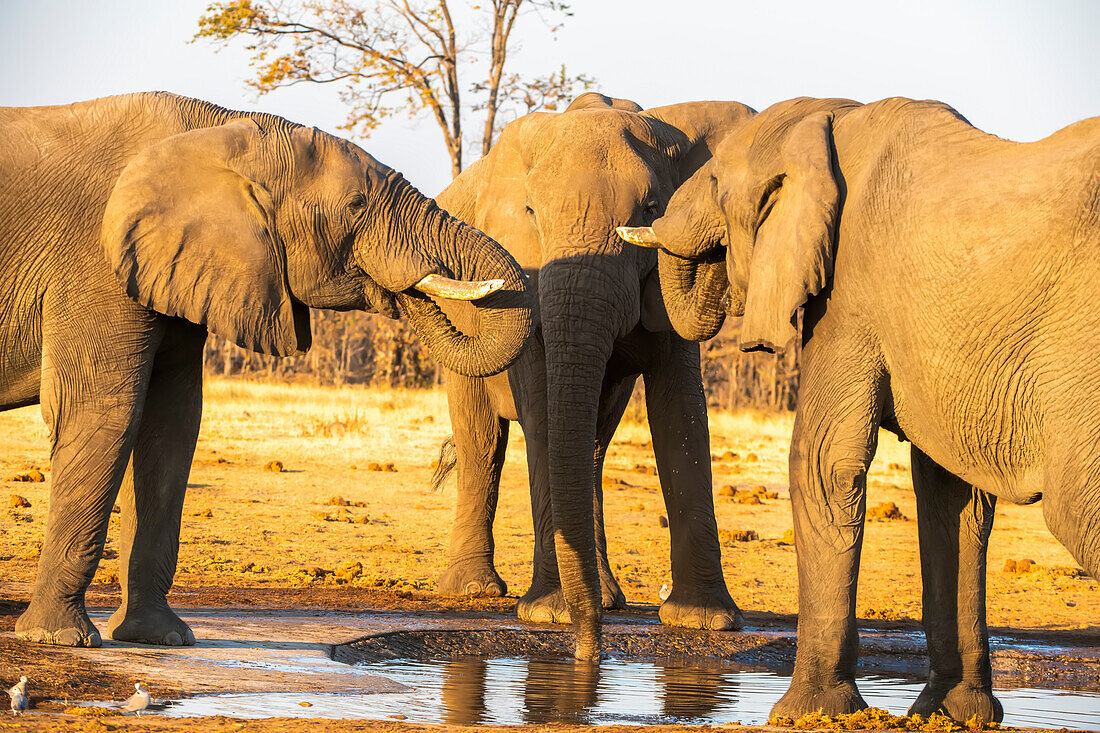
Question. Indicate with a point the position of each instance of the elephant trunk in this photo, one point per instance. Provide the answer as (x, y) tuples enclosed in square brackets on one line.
[(580, 319), (504, 318), (696, 293)]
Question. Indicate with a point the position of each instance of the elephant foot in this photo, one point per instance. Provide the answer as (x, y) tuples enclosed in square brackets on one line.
[(712, 609), (961, 701), (149, 624), (804, 697), (476, 578), (60, 624), (544, 605)]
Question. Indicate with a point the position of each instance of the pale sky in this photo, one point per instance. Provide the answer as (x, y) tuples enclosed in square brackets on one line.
[(1020, 69)]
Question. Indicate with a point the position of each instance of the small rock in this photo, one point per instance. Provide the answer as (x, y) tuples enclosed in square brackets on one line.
[(1025, 566), (397, 716), (727, 491), (752, 457), (305, 704), (33, 476), (887, 510), (662, 520), (316, 572), (886, 614), (665, 592), (116, 509), (728, 536), (896, 467), (744, 497), (206, 513), (16, 501), (274, 466), (1010, 566), (350, 570), (788, 537)]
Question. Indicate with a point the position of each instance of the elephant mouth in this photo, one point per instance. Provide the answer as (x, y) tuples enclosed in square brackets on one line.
[(379, 300)]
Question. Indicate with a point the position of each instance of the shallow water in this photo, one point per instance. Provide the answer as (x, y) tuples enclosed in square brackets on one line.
[(514, 690)]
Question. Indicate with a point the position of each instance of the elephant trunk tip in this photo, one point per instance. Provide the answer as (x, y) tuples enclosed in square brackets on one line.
[(639, 236)]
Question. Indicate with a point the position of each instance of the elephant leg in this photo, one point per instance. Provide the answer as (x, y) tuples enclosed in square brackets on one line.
[(954, 521), (481, 439), (835, 435), (613, 403), (153, 494), (677, 407), (543, 602), (1069, 509), (92, 407)]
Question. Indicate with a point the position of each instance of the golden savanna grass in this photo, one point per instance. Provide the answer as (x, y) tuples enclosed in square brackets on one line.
[(247, 525)]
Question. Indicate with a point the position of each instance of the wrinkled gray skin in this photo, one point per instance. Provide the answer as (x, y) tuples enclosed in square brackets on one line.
[(552, 190), (120, 213), (949, 281)]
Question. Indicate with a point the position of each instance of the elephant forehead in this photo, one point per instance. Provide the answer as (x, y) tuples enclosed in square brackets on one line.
[(604, 138), (588, 197)]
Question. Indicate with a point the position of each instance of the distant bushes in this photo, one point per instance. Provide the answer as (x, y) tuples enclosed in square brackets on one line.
[(363, 348)]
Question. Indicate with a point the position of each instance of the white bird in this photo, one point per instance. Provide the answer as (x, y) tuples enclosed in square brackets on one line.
[(138, 701), (665, 592), (18, 695)]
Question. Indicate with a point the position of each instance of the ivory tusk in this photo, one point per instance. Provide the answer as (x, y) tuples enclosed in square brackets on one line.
[(641, 236), (445, 287)]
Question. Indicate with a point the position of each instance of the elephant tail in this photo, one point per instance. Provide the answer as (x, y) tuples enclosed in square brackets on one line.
[(448, 459)]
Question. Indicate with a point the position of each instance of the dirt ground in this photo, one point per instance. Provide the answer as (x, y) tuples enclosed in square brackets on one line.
[(350, 516)]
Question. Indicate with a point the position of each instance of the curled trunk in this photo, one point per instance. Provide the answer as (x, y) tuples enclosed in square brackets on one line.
[(697, 293), (504, 318)]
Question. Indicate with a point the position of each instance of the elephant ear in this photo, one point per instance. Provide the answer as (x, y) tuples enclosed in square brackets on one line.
[(595, 100), (793, 253), (189, 235), (698, 128)]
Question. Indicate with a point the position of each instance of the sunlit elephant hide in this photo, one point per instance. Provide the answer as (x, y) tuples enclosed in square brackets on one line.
[(132, 225), (949, 284), (552, 190)]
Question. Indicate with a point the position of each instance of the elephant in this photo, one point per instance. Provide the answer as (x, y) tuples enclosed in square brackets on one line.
[(947, 284), (130, 226), (551, 191)]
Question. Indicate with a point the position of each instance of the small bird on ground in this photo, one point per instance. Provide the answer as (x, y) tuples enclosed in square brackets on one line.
[(138, 701), (664, 593), (18, 694)]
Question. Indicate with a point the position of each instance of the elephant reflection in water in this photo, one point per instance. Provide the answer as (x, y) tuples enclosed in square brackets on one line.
[(561, 692), (553, 691), (693, 692), (464, 691)]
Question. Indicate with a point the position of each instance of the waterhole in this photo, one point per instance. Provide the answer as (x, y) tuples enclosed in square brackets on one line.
[(512, 691), (650, 675)]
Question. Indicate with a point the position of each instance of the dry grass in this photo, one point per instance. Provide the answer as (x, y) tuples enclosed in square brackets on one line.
[(247, 526)]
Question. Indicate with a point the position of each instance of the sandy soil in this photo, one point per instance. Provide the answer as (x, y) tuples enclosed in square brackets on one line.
[(247, 526)]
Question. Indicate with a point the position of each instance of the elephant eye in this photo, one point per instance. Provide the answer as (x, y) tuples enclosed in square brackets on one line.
[(357, 202)]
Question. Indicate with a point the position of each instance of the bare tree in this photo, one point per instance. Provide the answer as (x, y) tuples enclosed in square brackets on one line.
[(395, 55)]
